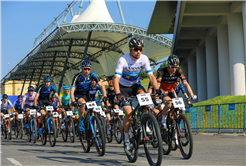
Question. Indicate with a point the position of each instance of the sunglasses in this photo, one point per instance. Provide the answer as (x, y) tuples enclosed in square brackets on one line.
[(173, 67), (87, 68), (137, 49)]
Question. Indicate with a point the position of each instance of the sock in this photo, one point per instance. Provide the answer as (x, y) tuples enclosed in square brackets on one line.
[(126, 137)]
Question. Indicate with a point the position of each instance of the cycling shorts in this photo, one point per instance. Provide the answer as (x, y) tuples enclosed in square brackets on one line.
[(86, 97), (170, 94), (66, 107), (43, 102)]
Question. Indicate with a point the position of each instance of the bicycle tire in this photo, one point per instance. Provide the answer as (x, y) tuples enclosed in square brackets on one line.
[(99, 138), (16, 129), (152, 139), (72, 137), (65, 132), (84, 137), (52, 132), (56, 124), (187, 136), (5, 130), (21, 129), (9, 130), (104, 127), (118, 130), (110, 135), (44, 133), (34, 131)]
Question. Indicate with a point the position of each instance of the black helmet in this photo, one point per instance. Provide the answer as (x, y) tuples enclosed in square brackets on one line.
[(5, 96), (136, 42), (173, 60), (19, 97)]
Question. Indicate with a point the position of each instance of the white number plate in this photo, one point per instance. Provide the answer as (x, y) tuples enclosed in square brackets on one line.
[(38, 114), (20, 116), (49, 108), (55, 114), (6, 116), (33, 112), (121, 113), (116, 110), (73, 116), (102, 113), (98, 109), (60, 116), (70, 113), (144, 99), (91, 104), (178, 103)]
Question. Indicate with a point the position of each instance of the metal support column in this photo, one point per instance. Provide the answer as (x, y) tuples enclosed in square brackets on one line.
[(40, 73), (23, 85), (31, 77), (121, 13), (87, 45), (65, 66), (53, 62), (80, 7)]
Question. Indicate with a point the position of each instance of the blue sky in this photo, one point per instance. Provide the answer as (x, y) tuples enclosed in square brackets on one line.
[(23, 21)]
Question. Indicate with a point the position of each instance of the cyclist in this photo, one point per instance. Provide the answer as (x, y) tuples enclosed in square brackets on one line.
[(42, 97), (126, 80), (17, 105), (28, 102), (54, 102), (110, 102), (178, 86), (94, 89), (81, 86), (5, 103)]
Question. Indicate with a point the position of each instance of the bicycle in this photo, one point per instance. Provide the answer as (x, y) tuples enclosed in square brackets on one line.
[(48, 127), (6, 130), (93, 130), (69, 127), (18, 128), (57, 119), (176, 120), (140, 123), (116, 127), (32, 126)]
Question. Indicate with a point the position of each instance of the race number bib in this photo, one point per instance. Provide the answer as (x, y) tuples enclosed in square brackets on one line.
[(178, 103), (69, 113), (38, 114), (49, 108), (32, 112), (20, 116), (102, 113), (144, 99), (91, 104), (120, 112), (98, 109), (60, 116), (116, 110), (6, 116), (55, 114)]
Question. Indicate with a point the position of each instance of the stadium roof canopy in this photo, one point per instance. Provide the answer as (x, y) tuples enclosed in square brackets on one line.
[(58, 51)]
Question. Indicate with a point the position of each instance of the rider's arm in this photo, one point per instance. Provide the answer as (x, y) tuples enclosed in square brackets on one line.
[(73, 87), (72, 94), (102, 87), (58, 98), (188, 88), (36, 99), (117, 85), (153, 81), (13, 108), (23, 102)]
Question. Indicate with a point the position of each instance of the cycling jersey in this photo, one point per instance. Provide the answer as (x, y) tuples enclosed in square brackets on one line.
[(54, 103), (93, 92), (180, 87), (5, 106), (82, 85), (111, 95), (29, 100), (167, 81), (129, 70), (65, 98), (17, 105), (45, 92)]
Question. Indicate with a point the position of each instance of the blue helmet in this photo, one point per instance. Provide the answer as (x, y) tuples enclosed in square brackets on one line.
[(47, 78), (30, 88), (66, 87), (86, 63)]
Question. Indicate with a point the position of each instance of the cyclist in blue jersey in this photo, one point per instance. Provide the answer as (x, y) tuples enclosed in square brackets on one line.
[(93, 90), (177, 87), (17, 105), (81, 86), (126, 81), (54, 102), (42, 97)]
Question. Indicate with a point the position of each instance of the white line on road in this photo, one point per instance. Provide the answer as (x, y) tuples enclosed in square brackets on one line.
[(14, 161)]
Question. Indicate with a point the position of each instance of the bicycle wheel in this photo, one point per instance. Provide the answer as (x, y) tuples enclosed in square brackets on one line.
[(185, 137), (152, 140), (9, 130), (28, 132), (118, 130), (71, 130), (84, 137), (56, 126), (65, 131), (34, 131), (104, 127), (98, 136), (110, 135), (20, 129), (5, 130), (44, 133), (52, 132), (16, 129)]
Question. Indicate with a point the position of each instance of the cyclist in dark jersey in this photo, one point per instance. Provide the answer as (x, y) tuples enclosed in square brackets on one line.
[(93, 90), (81, 86), (42, 97), (17, 105)]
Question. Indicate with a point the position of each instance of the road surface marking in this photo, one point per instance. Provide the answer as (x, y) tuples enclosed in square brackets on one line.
[(14, 161)]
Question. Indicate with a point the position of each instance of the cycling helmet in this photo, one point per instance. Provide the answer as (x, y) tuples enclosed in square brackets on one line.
[(136, 42), (5, 96), (47, 78), (66, 87), (178, 80), (30, 88), (111, 83), (19, 97), (173, 60), (86, 63)]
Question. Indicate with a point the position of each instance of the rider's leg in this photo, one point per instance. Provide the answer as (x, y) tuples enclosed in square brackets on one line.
[(42, 117), (81, 114), (108, 119), (165, 110), (127, 121)]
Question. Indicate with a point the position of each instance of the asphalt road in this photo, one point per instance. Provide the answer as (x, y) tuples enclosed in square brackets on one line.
[(209, 149)]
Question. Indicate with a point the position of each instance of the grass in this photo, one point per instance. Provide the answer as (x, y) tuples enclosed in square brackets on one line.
[(145, 83)]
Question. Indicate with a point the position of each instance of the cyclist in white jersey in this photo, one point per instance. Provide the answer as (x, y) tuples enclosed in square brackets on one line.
[(28, 101), (126, 80), (5, 103)]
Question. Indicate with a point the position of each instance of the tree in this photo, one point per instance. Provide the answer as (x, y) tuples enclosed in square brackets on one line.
[(143, 74), (164, 64)]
